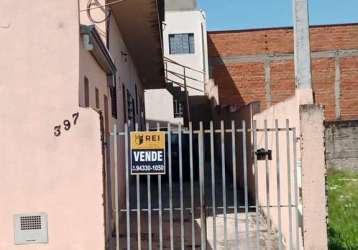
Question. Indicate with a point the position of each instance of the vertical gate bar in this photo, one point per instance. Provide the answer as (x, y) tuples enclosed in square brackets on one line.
[(126, 142), (149, 214), (212, 158), (181, 186), (289, 182), (116, 193), (245, 184), (192, 185), (267, 187), (139, 243), (294, 142), (233, 146), (138, 214), (254, 135), (202, 187), (149, 207), (223, 170), (170, 187), (187, 95), (160, 206), (278, 184)]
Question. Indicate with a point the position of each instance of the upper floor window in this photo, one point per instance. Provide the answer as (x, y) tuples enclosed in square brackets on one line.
[(181, 43)]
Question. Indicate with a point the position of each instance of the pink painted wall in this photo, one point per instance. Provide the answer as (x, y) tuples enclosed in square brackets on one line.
[(127, 77), (288, 109), (313, 177), (97, 79), (61, 176), (310, 166)]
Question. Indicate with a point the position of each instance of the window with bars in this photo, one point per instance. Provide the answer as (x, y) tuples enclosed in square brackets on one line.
[(181, 43), (97, 98), (130, 107), (178, 109), (111, 82), (124, 99)]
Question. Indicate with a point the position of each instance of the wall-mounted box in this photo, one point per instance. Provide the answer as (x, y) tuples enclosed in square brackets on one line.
[(31, 229)]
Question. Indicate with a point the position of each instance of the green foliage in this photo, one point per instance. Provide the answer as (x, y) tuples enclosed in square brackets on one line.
[(343, 210)]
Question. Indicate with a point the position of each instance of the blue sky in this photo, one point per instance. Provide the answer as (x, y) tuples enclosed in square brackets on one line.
[(246, 14)]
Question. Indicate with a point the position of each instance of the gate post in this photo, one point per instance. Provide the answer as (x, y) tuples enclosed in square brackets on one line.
[(202, 187), (313, 177)]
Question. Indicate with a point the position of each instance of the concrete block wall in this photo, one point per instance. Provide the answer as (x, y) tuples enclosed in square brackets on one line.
[(341, 140), (257, 65)]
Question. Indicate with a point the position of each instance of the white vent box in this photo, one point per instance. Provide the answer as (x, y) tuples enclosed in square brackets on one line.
[(31, 229)]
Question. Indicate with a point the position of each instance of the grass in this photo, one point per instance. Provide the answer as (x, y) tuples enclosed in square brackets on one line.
[(343, 210)]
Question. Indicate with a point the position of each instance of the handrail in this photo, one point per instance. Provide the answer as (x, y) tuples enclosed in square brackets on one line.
[(174, 62), (181, 76), (183, 86)]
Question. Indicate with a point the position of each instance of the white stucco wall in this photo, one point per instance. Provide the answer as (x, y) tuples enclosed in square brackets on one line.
[(191, 21), (159, 107), (159, 103)]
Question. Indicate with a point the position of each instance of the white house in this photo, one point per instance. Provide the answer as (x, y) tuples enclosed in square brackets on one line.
[(185, 62)]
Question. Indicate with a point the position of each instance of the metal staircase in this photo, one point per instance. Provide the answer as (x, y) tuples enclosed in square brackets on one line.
[(177, 77), (176, 91)]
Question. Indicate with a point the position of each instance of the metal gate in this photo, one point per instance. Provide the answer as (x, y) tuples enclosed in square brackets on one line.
[(227, 186)]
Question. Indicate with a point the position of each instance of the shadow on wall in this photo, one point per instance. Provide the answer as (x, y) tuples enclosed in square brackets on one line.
[(244, 114), (163, 125), (228, 90), (200, 108)]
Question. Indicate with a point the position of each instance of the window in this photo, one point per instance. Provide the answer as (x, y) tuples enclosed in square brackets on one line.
[(130, 105), (136, 100), (133, 112), (97, 98), (106, 121), (86, 92), (142, 107), (181, 43), (178, 109), (124, 103), (113, 92)]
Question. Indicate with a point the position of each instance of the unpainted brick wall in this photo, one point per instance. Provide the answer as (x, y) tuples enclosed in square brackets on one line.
[(349, 88), (241, 82)]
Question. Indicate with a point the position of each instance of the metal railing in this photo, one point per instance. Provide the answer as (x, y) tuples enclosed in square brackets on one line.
[(181, 75), (238, 181)]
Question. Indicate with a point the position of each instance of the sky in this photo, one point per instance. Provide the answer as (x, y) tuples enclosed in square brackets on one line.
[(248, 14)]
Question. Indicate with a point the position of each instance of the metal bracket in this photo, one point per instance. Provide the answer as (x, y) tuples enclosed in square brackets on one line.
[(263, 154)]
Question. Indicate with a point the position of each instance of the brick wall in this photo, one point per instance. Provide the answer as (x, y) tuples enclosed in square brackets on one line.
[(257, 65)]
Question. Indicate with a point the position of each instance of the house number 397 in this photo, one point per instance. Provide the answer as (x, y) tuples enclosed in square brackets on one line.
[(66, 124)]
